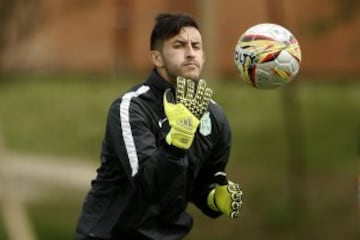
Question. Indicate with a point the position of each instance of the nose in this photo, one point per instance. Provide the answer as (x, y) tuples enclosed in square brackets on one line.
[(190, 53)]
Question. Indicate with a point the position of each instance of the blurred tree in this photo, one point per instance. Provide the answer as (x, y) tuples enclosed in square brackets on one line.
[(6, 13), (344, 12), (207, 11), (18, 19), (122, 32)]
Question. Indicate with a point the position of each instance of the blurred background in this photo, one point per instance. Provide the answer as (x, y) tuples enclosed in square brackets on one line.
[(296, 150)]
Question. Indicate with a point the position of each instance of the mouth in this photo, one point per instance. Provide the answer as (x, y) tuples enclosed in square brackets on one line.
[(192, 65)]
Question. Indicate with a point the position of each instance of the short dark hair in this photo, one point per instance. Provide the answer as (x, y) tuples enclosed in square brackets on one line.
[(168, 25)]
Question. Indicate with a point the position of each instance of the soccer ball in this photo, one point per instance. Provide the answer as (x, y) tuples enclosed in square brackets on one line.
[(267, 56)]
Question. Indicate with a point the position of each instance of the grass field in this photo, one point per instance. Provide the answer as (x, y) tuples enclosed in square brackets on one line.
[(64, 115)]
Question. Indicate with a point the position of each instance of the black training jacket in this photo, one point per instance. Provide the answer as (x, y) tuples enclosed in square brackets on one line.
[(143, 185)]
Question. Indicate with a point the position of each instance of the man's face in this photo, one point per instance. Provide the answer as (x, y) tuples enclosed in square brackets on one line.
[(182, 55)]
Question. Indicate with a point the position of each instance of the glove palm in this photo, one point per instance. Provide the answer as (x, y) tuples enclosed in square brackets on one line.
[(191, 102), (183, 124)]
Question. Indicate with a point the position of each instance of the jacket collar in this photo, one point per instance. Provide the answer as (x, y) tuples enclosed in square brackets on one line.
[(157, 82)]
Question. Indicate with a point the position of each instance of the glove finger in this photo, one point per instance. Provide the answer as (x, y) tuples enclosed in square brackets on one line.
[(180, 89), (235, 214), (169, 96), (168, 100), (205, 101), (202, 98), (234, 187), (201, 86), (207, 95), (236, 196), (190, 90), (235, 206), (189, 95)]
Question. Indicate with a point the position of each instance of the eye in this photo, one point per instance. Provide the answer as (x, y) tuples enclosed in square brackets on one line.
[(178, 45), (196, 46)]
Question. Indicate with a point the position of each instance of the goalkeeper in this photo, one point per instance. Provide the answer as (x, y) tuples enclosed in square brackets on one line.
[(166, 144)]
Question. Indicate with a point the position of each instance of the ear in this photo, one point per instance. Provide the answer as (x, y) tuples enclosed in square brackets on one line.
[(156, 58)]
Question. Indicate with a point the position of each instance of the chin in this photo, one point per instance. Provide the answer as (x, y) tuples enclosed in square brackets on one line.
[(193, 76)]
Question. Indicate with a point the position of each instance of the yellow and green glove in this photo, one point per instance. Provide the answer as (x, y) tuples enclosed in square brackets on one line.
[(194, 95), (183, 112), (226, 197)]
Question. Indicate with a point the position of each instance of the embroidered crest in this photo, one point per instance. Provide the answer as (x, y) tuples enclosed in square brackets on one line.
[(205, 124)]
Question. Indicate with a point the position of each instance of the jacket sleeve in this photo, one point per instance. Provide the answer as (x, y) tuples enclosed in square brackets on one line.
[(217, 161), (151, 166)]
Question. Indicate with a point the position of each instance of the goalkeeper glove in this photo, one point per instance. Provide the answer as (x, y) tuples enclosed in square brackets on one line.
[(226, 197), (183, 115), (195, 96)]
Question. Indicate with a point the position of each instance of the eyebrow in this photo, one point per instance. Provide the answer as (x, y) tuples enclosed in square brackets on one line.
[(182, 41)]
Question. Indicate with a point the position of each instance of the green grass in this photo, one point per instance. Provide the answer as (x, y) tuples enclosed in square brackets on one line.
[(65, 115), (62, 115)]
